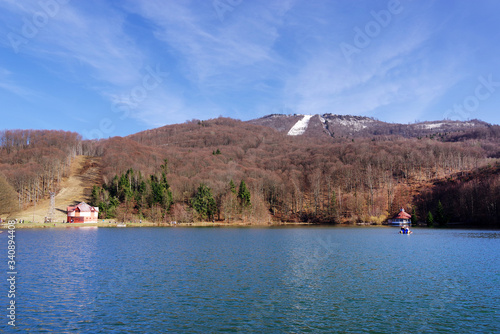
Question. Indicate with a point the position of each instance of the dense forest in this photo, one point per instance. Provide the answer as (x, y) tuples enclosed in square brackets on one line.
[(472, 198), (228, 170)]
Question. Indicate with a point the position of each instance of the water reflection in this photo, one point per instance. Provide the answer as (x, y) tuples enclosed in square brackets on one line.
[(62, 266), (481, 235), (257, 280)]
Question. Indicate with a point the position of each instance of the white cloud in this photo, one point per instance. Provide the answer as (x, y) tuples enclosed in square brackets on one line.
[(97, 42), (214, 54), (264, 57), (93, 49), (393, 72)]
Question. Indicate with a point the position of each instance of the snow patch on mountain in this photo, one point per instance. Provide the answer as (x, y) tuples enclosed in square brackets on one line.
[(431, 125), (436, 125), (352, 123), (300, 127)]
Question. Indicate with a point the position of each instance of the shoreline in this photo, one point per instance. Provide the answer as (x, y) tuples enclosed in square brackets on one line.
[(37, 225), (59, 226)]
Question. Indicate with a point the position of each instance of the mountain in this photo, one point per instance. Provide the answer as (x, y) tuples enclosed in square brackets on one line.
[(323, 169), (338, 126)]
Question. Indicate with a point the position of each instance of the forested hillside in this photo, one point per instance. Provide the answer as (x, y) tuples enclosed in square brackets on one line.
[(291, 178), (34, 162), (470, 198), (228, 170)]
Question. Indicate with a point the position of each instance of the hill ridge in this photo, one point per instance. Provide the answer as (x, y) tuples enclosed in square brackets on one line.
[(335, 125)]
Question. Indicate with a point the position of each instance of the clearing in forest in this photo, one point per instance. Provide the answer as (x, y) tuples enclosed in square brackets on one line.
[(85, 172)]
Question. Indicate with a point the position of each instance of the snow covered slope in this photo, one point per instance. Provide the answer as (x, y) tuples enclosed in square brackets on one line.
[(348, 126), (300, 127)]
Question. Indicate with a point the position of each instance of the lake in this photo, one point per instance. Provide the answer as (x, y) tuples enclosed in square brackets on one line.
[(265, 280)]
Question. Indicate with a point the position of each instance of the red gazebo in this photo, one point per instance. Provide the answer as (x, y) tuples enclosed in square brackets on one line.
[(402, 218)]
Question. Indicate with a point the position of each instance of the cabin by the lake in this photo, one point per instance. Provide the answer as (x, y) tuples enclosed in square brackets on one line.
[(82, 213)]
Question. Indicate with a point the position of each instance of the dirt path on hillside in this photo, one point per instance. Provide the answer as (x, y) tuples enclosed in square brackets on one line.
[(85, 172)]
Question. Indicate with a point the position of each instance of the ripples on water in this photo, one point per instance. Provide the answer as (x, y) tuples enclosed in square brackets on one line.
[(294, 280)]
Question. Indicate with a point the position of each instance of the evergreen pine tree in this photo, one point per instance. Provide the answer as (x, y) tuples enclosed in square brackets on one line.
[(440, 215), (430, 219), (142, 187), (414, 216), (204, 203), (95, 198), (232, 187), (124, 188), (164, 167), (156, 190), (244, 195), (160, 192)]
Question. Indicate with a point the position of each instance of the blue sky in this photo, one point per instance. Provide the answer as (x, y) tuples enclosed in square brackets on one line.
[(108, 68)]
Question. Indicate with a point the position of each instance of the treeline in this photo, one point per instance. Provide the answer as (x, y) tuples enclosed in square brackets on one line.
[(134, 196), (488, 138), (35, 161), (293, 178), (470, 199)]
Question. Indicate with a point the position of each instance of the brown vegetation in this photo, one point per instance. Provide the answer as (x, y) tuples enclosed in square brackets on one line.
[(298, 178), (37, 162), (471, 198), (8, 197), (304, 178)]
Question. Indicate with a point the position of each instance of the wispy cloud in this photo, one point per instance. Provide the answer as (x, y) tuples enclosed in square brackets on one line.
[(91, 46), (263, 57), (394, 72), (215, 55), (16, 89), (96, 42), (8, 84), (74, 39)]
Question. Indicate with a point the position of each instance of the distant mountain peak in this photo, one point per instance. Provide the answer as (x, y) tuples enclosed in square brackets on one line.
[(334, 125)]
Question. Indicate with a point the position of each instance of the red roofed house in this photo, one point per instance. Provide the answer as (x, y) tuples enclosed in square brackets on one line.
[(402, 218), (83, 213)]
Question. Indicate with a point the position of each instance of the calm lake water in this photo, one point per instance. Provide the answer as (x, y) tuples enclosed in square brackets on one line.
[(265, 280)]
